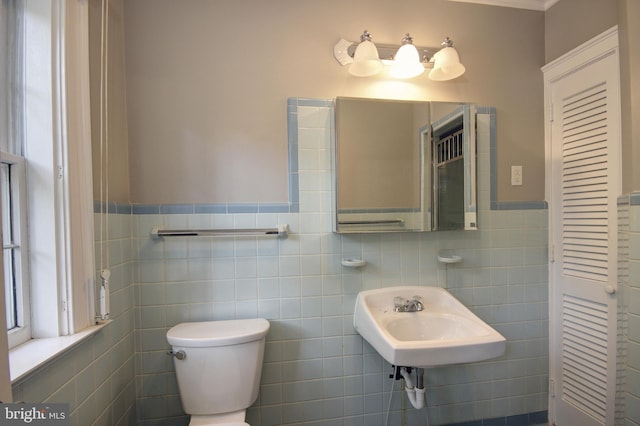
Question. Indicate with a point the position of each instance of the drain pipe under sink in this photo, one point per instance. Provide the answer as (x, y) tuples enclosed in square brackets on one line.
[(416, 394)]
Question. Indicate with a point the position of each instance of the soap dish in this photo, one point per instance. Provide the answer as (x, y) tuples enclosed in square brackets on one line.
[(449, 259), (353, 263)]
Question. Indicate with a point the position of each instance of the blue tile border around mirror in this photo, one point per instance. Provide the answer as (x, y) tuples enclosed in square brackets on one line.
[(293, 205)]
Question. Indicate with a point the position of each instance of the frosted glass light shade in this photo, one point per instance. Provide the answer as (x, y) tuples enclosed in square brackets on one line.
[(446, 65), (406, 63), (366, 61)]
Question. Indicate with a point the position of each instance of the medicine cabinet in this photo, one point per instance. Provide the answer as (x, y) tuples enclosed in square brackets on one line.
[(403, 166)]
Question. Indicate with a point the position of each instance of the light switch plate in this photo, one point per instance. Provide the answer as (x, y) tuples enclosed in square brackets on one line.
[(516, 175)]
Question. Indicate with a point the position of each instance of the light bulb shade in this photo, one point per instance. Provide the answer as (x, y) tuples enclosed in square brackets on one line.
[(406, 63), (446, 65), (366, 61)]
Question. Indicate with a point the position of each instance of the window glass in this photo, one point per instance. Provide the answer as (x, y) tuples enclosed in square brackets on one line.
[(11, 74), (11, 294)]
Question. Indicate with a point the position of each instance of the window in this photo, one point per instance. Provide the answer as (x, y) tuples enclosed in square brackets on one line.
[(14, 248), (12, 175), (45, 169)]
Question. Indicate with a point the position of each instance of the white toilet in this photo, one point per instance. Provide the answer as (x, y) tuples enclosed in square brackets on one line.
[(218, 366)]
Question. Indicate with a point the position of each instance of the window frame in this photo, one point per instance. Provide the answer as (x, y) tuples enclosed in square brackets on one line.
[(58, 176), (22, 332)]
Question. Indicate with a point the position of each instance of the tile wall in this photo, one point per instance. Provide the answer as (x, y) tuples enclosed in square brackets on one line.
[(317, 370), (96, 377), (632, 298)]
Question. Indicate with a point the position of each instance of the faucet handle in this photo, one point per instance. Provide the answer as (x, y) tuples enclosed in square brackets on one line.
[(407, 305), (419, 303), (399, 303)]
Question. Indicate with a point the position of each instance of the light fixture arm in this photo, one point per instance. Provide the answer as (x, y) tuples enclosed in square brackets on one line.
[(407, 39), (366, 36), (447, 42)]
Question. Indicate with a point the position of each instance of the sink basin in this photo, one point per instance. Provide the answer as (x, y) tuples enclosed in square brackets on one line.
[(445, 332)]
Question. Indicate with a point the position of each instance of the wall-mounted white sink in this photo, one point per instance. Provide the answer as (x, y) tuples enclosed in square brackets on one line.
[(444, 332)]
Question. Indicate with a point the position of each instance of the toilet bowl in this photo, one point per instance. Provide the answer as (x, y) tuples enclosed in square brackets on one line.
[(218, 368)]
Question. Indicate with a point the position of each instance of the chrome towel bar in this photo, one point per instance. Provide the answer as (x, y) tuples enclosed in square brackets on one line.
[(372, 222), (281, 231)]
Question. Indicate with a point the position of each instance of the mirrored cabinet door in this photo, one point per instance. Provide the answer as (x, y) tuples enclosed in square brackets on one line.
[(403, 166)]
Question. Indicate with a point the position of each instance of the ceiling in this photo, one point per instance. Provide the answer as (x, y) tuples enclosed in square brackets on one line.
[(520, 4)]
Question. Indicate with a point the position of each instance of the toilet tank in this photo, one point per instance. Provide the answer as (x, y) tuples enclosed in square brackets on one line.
[(223, 363)]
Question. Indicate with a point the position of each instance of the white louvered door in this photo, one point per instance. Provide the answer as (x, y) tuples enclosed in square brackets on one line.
[(584, 186)]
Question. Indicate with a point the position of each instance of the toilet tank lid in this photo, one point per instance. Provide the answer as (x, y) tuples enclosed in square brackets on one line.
[(217, 333)]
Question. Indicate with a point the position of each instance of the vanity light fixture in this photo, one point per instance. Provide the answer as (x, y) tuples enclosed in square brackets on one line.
[(405, 61)]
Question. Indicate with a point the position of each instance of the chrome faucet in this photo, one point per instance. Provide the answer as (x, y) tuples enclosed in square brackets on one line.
[(408, 305)]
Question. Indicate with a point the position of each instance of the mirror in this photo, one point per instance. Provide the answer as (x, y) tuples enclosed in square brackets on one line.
[(403, 166)]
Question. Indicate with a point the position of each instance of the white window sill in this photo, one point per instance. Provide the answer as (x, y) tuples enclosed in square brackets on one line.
[(26, 358)]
